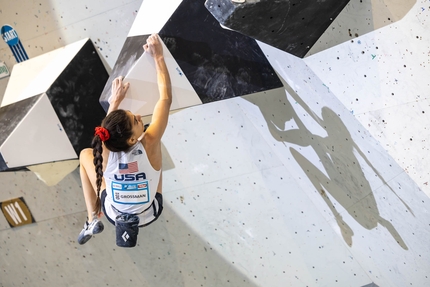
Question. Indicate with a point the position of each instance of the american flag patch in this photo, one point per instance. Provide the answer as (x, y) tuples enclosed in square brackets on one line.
[(128, 167)]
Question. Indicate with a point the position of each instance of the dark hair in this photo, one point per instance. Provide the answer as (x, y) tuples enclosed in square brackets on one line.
[(119, 127)]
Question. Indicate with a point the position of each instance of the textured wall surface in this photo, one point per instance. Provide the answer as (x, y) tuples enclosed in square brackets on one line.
[(322, 182)]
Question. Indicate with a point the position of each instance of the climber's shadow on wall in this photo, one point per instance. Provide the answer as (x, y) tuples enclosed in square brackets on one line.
[(342, 181)]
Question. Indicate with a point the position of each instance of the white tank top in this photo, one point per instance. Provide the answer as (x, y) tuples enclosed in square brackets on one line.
[(131, 181)]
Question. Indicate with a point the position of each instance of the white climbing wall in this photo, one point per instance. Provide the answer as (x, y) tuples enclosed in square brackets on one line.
[(321, 183)]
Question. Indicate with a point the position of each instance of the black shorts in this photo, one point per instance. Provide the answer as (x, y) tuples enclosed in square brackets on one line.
[(147, 217)]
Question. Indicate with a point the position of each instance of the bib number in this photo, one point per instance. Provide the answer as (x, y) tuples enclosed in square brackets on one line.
[(134, 193)]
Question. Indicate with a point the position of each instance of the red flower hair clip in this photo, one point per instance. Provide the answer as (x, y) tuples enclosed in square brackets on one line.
[(102, 133)]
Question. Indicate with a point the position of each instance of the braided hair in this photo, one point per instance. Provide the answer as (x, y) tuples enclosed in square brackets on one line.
[(114, 132)]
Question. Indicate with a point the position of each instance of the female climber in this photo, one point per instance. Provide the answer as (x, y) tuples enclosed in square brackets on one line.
[(121, 173)]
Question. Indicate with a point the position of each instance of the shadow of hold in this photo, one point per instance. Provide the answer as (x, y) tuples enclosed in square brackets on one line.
[(52, 173), (360, 17), (343, 179), (166, 158)]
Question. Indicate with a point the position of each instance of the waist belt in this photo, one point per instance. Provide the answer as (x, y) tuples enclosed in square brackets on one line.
[(152, 205)]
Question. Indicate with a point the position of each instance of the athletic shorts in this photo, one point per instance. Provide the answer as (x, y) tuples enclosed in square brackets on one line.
[(147, 217)]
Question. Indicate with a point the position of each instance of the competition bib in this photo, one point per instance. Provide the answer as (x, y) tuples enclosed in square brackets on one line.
[(130, 193)]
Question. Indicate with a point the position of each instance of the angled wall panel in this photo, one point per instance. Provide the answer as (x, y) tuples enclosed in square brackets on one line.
[(143, 93), (130, 53), (51, 106), (143, 85), (10, 117), (219, 63), (39, 137), (152, 16), (289, 25), (74, 96), (36, 75)]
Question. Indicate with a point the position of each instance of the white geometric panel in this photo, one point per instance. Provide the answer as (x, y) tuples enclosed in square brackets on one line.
[(38, 138), (148, 22), (36, 75), (143, 93)]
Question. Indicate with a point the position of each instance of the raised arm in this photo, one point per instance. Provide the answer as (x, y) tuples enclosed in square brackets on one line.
[(119, 90), (160, 115)]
